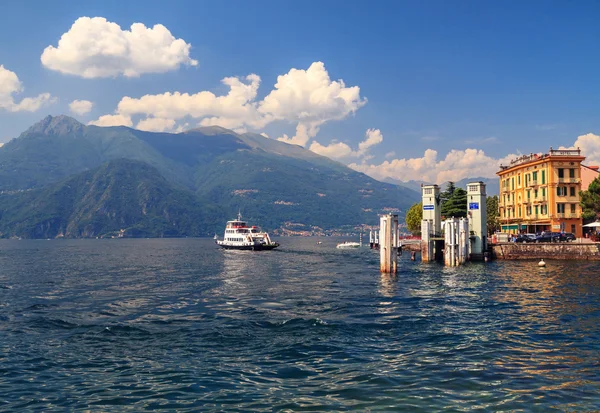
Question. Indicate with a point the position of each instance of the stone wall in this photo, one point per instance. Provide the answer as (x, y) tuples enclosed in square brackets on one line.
[(559, 251)]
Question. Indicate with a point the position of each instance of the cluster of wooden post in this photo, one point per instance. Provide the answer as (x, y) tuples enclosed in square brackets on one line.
[(456, 241), (388, 243)]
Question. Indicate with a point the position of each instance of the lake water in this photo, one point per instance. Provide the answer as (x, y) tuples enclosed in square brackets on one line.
[(131, 325)]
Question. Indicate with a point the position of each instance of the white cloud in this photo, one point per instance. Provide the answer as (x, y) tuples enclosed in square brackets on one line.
[(95, 47), (11, 85), (374, 137), (112, 120), (390, 154), (457, 164), (307, 98), (590, 148), (336, 150), (81, 107), (340, 150), (156, 124), (1, 144)]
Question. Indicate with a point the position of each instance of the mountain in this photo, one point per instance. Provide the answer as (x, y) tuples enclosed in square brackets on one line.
[(274, 184), (120, 198)]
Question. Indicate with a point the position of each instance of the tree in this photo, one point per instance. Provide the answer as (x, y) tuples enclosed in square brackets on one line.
[(493, 221), (445, 195), (590, 201), (456, 204), (414, 216)]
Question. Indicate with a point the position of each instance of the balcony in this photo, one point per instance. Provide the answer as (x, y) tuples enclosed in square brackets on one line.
[(573, 215), (569, 180), (532, 184), (540, 200), (559, 215)]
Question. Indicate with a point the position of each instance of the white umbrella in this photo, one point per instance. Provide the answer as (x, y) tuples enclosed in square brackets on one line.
[(593, 224)]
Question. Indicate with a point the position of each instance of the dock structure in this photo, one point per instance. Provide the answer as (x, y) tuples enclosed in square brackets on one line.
[(374, 239), (431, 225), (456, 241), (461, 240), (388, 243), (477, 210)]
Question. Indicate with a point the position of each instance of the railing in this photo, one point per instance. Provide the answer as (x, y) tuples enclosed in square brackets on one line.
[(540, 199), (565, 152), (560, 215), (535, 157), (573, 215), (532, 183)]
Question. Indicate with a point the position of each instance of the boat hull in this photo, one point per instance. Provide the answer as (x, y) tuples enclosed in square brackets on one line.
[(257, 247)]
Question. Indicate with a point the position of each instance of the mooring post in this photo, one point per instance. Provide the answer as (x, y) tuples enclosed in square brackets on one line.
[(388, 243), (426, 242)]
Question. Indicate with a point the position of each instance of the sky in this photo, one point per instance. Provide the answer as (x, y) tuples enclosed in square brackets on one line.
[(423, 90)]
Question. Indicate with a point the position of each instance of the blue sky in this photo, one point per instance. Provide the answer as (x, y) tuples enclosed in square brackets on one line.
[(498, 78)]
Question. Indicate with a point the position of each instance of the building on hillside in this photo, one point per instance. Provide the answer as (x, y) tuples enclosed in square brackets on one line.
[(541, 193), (588, 174)]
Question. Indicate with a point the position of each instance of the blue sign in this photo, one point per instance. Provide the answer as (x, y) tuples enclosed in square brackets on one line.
[(427, 207), (473, 205)]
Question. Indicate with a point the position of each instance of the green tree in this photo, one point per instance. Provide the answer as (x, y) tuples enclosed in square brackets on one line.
[(456, 204), (493, 221), (590, 201), (414, 216), (445, 195)]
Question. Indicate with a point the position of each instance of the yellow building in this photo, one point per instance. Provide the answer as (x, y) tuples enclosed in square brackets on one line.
[(541, 193)]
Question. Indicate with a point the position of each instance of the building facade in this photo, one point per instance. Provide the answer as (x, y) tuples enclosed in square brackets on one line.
[(541, 193)]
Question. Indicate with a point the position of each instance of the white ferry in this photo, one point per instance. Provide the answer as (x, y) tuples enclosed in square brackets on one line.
[(348, 244), (238, 236)]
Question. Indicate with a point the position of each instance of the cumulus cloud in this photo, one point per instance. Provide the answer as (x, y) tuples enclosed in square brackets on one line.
[(457, 164), (1, 144), (590, 148), (335, 150), (156, 124), (112, 120), (307, 98), (94, 47), (81, 107), (11, 85), (341, 150)]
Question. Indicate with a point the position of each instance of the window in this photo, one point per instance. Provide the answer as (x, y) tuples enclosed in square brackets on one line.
[(513, 183), (543, 177), (573, 228), (571, 173), (543, 192), (572, 191), (561, 173), (520, 209), (561, 191), (573, 208), (519, 180), (535, 193), (560, 208), (528, 210), (535, 176), (537, 210), (528, 194)]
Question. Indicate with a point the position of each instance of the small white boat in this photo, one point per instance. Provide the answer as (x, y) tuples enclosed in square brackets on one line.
[(239, 236), (348, 244)]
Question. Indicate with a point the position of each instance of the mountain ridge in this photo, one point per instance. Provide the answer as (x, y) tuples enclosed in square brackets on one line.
[(276, 184)]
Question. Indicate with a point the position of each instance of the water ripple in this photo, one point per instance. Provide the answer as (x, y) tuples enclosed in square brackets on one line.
[(180, 325)]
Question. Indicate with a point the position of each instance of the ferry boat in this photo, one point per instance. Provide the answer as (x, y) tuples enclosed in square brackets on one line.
[(239, 236)]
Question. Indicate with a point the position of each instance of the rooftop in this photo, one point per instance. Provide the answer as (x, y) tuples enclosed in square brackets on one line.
[(533, 157)]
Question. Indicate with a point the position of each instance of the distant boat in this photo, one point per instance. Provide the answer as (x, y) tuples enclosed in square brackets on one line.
[(348, 244), (238, 236)]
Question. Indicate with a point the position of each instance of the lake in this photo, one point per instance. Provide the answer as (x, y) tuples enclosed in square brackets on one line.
[(177, 324)]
